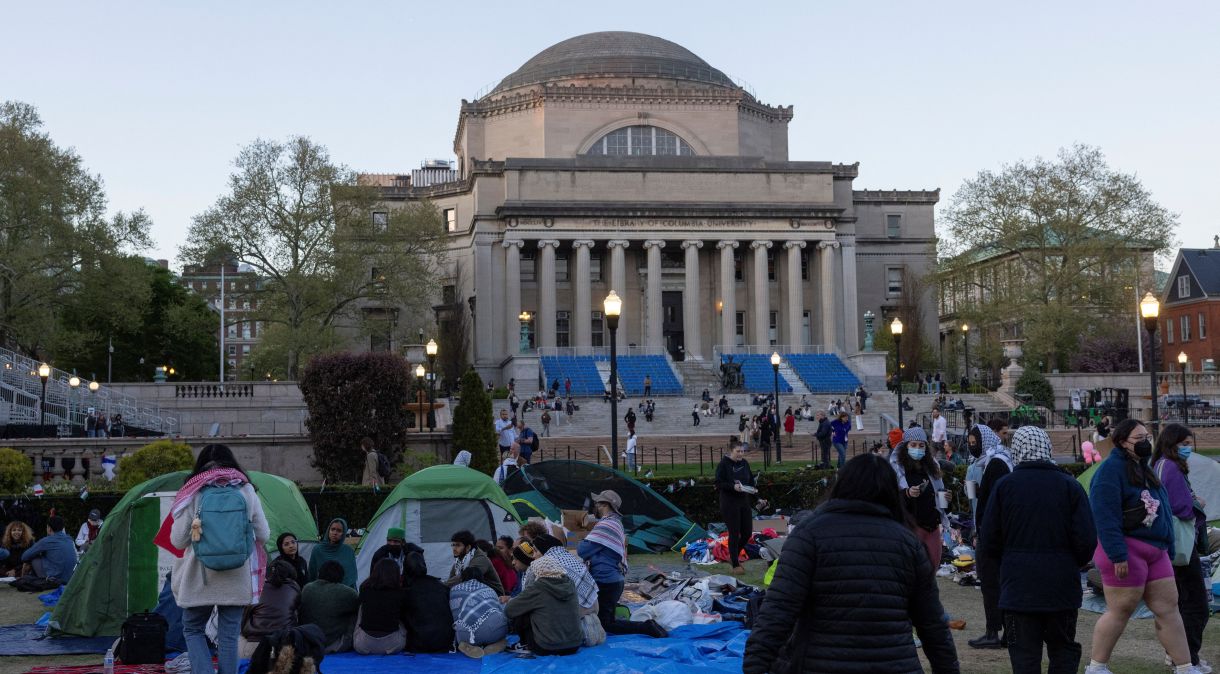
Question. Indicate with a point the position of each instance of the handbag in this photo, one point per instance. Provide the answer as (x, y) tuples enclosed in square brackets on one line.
[(1184, 532)]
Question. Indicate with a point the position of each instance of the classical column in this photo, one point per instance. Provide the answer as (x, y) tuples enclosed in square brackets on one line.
[(618, 283), (486, 282), (654, 335), (728, 295), (830, 315), (545, 280), (691, 316), (795, 308), (851, 325), (762, 295), (582, 310), (512, 296)]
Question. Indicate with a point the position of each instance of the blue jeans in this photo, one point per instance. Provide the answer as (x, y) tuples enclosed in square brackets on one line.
[(194, 620), (841, 450), (631, 461)]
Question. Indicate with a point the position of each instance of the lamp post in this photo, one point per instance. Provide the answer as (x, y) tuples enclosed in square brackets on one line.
[(1182, 361), (431, 349), (1150, 310), (74, 383), (524, 317), (420, 372), (896, 331), (966, 354), (612, 307), (779, 445), (44, 373)]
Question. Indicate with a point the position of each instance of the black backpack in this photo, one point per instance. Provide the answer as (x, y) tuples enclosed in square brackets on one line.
[(383, 466), (142, 640)]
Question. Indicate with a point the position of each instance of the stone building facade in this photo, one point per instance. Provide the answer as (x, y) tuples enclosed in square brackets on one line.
[(241, 332), (624, 161)]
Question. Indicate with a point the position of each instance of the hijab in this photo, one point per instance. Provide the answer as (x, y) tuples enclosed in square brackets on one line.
[(340, 552)]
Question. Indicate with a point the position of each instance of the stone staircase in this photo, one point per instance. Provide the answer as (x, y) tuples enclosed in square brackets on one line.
[(697, 375), (790, 376)]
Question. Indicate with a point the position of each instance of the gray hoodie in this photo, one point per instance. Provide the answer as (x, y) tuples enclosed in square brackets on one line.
[(553, 611)]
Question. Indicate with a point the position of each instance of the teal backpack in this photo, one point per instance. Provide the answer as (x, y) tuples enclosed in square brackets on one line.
[(226, 536)]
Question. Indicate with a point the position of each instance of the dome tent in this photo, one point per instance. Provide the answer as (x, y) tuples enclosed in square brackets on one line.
[(123, 570), (430, 506), (652, 523)]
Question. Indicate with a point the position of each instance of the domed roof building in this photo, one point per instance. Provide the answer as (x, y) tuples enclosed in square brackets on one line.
[(623, 161)]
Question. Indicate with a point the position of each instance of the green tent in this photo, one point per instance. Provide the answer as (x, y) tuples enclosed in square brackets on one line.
[(123, 571), (652, 523), (430, 506)]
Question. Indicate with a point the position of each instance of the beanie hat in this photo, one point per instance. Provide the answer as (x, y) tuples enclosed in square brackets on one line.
[(396, 534), (915, 434), (1031, 443), (520, 556)]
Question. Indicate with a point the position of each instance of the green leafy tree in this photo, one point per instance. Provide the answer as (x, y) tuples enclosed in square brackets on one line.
[(472, 425), (306, 225), (1052, 246), (16, 471), (156, 458), (350, 396), (54, 232), (1034, 384)]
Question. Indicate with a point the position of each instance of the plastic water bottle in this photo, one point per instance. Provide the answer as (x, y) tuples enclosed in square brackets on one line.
[(108, 662)]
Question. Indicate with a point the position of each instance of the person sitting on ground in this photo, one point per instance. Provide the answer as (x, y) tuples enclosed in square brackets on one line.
[(289, 552), (425, 609), (379, 629), (501, 555), (396, 548), (531, 529), (546, 614), (605, 549), (276, 608), (575, 568), (89, 531), (480, 626), (334, 547), (467, 556), (52, 559), (332, 606), (18, 537)]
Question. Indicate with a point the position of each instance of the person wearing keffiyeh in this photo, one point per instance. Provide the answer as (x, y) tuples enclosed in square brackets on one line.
[(605, 549), (198, 590)]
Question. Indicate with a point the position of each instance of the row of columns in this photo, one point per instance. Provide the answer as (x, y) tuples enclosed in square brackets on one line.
[(832, 288)]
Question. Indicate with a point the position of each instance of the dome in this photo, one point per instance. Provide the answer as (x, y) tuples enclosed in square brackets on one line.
[(614, 54)]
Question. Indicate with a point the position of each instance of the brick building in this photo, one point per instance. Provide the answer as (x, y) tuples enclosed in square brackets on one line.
[(241, 331), (1190, 307)]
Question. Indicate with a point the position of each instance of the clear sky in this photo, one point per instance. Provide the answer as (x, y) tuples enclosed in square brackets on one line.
[(159, 97)]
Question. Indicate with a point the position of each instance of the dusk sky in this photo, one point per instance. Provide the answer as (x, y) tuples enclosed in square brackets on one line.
[(159, 97)]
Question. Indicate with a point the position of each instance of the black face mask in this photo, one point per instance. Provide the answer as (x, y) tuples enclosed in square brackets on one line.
[(1143, 449)]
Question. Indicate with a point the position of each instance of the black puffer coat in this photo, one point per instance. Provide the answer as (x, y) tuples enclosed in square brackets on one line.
[(850, 585)]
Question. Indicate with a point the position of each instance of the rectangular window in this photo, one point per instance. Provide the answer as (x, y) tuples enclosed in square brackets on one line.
[(1169, 331), (739, 273), (641, 140), (562, 328), (448, 294), (232, 350), (1202, 326), (245, 349), (770, 265), (893, 225), (597, 325), (381, 220), (595, 267), (561, 267), (527, 265), (805, 265), (893, 281), (739, 328), (450, 219), (773, 328), (1184, 285), (1186, 328), (233, 331)]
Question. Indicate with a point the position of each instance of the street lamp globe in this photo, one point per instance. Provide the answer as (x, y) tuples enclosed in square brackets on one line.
[(1183, 359), (431, 347), (524, 316), (1149, 306), (613, 305), (896, 326), (44, 371), (965, 327), (420, 371), (775, 359), (94, 386), (74, 381)]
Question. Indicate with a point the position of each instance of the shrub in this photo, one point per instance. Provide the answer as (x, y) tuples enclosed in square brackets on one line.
[(350, 396), (472, 425), (16, 471), (1035, 385), (151, 460)]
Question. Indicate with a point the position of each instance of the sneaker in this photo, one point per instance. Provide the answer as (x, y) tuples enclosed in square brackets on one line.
[(498, 647), (470, 650), (654, 629), (519, 648), (1098, 669), (988, 640), (1204, 668)]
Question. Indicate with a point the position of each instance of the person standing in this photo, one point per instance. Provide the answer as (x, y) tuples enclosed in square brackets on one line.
[(919, 480), (630, 453), (505, 431), (851, 583), (1132, 514), (1103, 430), (940, 431), (371, 476), (823, 434), (629, 418), (839, 428), (695, 415), (789, 424), (1170, 463), (546, 422), (198, 586), (996, 463), (647, 385), (567, 387), (527, 439), (735, 484), (1039, 532)]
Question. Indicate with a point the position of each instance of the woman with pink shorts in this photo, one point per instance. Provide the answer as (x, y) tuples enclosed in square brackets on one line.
[(1134, 530)]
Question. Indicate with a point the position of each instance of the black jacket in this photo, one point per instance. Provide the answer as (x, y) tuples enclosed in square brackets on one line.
[(995, 471), (823, 432), (730, 472), (850, 584), (425, 612), (1040, 527)]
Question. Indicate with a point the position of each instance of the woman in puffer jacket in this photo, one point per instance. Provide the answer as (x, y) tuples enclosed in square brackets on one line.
[(851, 583)]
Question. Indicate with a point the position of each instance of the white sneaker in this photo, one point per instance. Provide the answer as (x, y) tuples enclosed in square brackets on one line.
[(1098, 669), (1203, 667)]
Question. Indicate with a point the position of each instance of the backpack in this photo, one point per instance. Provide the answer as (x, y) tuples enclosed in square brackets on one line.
[(383, 466), (226, 536), (142, 639)]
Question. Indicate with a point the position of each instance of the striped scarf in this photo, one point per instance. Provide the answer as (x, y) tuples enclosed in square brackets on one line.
[(609, 533)]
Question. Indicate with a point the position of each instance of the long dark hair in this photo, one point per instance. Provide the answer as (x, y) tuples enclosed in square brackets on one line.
[(1172, 435), (279, 544), (1139, 473), (383, 576), (216, 456), (927, 463), (869, 477), (281, 572)]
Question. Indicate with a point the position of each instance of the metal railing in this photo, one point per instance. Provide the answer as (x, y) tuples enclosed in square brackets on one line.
[(632, 350), (764, 350)]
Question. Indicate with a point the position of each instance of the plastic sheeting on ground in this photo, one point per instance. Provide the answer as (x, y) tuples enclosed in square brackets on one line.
[(1097, 604), (31, 640)]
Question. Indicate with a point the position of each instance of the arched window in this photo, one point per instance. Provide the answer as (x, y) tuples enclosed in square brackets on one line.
[(641, 140)]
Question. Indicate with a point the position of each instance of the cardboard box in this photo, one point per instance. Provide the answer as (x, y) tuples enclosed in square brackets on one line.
[(574, 520), (780, 524), (555, 530)]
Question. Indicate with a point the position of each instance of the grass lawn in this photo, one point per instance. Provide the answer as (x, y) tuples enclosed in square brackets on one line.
[(18, 608)]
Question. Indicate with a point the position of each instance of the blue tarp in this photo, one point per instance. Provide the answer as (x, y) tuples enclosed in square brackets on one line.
[(31, 640)]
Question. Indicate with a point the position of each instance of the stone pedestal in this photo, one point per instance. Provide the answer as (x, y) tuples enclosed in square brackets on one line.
[(1010, 374)]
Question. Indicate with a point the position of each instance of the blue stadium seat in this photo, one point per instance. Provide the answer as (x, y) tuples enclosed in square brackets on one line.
[(582, 370), (823, 372), (633, 369)]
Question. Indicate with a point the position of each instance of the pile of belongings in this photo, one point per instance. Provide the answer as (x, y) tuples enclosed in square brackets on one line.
[(960, 569), (716, 550), (672, 600)]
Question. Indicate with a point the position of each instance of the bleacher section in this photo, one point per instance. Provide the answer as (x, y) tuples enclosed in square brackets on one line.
[(632, 370), (758, 374), (582, 370), (823, 372)]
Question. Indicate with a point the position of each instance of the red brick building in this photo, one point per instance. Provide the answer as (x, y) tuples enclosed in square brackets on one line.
[(1190, 310), (241, 330)]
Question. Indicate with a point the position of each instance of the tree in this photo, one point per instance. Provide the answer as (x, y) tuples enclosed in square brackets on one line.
[(1034, 384), (350, 396), (453, 338), (1071, 240), (307, 227), (472, 425), (53, 230), (1106, 350)]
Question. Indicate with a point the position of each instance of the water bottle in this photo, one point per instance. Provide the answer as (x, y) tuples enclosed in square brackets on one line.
[(108, 662)]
